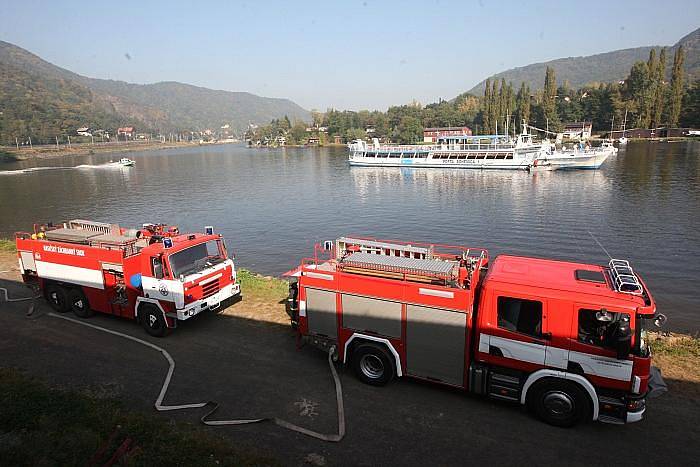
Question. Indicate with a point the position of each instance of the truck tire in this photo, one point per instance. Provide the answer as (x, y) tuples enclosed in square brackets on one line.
[(152, 320), (559, 403), (373, 364), (79, 304), (57, 296)]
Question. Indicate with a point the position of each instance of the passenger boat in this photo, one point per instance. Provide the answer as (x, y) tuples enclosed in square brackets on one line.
[(126, 162), (577, 157), (463, 152)]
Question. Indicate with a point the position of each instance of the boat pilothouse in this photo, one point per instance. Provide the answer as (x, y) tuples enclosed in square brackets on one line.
[(472, 152)]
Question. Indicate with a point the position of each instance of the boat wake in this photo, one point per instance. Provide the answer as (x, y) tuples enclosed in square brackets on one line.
[(108, 165)]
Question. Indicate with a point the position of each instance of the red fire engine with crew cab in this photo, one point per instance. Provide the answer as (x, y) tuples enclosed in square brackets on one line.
[(155, 274), (566, 339)]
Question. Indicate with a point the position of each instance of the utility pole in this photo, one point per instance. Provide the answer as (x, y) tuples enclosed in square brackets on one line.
[(16, 143), (69, 147)]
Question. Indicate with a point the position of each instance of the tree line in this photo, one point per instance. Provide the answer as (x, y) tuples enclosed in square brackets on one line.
[(653, 95)]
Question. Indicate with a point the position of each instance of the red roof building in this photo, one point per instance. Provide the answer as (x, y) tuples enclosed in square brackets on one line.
[(431, 135)]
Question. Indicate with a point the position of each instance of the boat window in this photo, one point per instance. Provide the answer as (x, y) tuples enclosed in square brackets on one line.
[(462, 156)]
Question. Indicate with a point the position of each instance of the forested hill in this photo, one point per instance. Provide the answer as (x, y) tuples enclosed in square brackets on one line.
[(600, 68), (42, 100)]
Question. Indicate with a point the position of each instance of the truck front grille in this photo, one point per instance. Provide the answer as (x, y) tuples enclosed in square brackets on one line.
[(210, 289)]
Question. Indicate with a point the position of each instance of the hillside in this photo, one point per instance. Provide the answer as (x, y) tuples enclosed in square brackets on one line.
[(602, 68), (42, 100)]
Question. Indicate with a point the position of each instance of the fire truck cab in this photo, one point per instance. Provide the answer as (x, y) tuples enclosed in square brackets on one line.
[(155, 274), (566, 339)]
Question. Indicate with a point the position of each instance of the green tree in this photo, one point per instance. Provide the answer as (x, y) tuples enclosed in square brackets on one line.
[(691, 106), (649, 93), (355, 133), (636, 92), (522, 108), (676, 87), (298, 134), (494, 106), (660, 92), (410, 130), (486, 114), (549, 109)]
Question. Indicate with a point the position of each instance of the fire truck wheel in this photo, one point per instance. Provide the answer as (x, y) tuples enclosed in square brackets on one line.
[(559, 403), (79, 304), (57, 297), (152, 321), (373, 364)]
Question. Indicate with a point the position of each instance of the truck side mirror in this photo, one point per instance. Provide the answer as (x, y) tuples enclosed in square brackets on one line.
[(157, 268)]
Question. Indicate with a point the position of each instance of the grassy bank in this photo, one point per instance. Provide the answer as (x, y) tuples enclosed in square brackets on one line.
[(40, 425), (7, 245), (263, 298), (258, 287)]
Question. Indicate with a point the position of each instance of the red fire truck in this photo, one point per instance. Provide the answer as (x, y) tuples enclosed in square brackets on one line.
[(566, 339), (155, 274)]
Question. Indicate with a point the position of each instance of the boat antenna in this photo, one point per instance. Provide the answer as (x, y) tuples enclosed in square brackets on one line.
[(599, 244)]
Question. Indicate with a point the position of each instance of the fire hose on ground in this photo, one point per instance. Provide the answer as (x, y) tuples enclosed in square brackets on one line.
[(159, 406)]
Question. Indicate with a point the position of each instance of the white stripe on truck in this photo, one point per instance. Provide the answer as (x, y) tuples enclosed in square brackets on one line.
[(72, 274)]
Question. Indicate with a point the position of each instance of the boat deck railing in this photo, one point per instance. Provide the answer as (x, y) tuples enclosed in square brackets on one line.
[(433, 148)]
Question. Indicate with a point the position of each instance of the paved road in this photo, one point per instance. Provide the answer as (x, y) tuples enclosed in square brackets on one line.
[(253, 370)]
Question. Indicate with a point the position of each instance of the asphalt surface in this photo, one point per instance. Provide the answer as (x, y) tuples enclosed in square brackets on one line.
[(254, 370)]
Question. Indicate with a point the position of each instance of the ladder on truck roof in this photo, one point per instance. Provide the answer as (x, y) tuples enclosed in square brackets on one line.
[(92, 226), (624, 278), (398, 267), (382, 248), (95, 234)]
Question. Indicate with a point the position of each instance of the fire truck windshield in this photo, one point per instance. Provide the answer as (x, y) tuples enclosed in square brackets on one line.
[(196, 258)]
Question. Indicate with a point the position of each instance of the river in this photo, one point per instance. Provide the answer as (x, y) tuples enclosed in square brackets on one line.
[(273, 204)]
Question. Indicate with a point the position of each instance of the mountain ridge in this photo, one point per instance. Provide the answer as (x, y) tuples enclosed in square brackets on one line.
[(598, 68), (33, 86)]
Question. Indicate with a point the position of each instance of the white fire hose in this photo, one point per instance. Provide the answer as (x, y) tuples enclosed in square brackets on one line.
[(171, 369), (278, 421)]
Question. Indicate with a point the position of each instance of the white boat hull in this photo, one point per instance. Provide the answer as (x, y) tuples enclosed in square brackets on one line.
[(590, 159), (440, 164)]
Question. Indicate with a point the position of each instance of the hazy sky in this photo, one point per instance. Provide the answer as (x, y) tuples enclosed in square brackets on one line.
[(342, 54)]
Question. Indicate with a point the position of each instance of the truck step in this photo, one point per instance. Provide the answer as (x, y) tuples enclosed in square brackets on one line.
[(611, 420), (504, 387)]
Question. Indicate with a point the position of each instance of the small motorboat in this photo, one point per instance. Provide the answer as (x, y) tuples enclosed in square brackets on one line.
[(622, 141), (541, 165), (126, 162)]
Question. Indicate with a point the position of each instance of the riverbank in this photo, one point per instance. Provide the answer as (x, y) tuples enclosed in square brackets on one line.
[(48, 151)]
